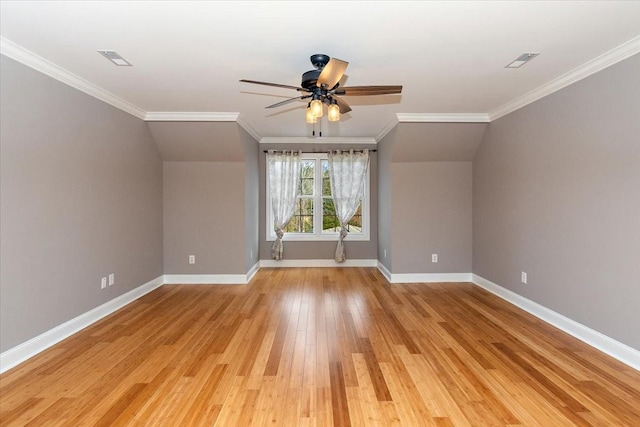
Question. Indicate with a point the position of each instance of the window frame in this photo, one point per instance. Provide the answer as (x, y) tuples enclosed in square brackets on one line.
[(317, 234)]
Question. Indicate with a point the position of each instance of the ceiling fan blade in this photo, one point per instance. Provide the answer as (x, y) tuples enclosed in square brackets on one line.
[(332, 73), (368, 90), (271, 84), (286, 101), (344, 107)]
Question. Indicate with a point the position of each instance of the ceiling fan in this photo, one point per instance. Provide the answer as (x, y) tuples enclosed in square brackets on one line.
[(322, 85)]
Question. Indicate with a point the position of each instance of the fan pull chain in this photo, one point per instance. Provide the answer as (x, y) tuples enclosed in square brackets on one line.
[(313, 131)]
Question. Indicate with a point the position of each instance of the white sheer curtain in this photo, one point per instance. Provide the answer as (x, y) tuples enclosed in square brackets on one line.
[(284, 177), (347, 171)]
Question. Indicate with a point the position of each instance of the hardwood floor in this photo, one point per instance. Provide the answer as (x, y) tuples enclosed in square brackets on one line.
[(305, 346)]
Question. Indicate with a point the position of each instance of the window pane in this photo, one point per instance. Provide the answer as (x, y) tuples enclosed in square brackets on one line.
[(306, 206), (307, 223), (326, 182), (293, 225), (330, 223), (307, 173), (302, 219), (355, 225), (306, 186)]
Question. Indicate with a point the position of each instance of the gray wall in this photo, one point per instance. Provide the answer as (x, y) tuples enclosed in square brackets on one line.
[(431, 209), (204, 215), (385, 153), (81, 197), (251, 198), (320, 250), (424, 208), (557, 195), (210, 196)]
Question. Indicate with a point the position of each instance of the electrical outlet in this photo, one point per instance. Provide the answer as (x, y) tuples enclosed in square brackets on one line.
[(192, 259), (103, 283), (434, 257), (112, 279), (524, 278), (385, 253), (251, 254)]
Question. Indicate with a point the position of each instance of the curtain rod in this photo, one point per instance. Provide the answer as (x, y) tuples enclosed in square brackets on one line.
[(320, 152)]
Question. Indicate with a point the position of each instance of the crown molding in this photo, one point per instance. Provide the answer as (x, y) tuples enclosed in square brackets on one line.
[(443, 117), (599, 63), (30, 59), (318, 140), (244, 123), (190, 116)]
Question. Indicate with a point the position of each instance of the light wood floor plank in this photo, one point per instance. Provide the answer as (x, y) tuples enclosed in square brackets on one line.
[(320, 347)]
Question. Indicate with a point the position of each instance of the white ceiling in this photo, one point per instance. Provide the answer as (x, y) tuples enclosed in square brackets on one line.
[(449, 56)]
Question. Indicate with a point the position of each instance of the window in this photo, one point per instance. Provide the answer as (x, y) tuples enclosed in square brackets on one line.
[(314, 217)]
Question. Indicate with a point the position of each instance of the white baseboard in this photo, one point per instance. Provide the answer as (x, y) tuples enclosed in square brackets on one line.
[(205, 279), (266, 263), (430, 277), (386, 273), (613, 348), (24, 351), (28, 349), (423, 277), (211, 279), (252, 272)]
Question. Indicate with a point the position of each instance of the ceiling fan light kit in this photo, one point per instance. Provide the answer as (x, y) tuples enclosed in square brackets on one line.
[(322, 85), (316, 108), (309, 117), (333, 111)]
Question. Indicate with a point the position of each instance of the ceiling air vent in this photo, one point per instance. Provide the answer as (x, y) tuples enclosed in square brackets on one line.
[(521, 60), (114, 57)]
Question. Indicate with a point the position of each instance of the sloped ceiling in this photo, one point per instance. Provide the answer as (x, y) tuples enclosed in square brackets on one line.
[(432, 142), (198, 141)]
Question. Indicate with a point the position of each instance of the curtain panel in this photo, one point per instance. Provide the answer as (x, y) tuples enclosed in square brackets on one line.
[(284, 179), (347, 173)]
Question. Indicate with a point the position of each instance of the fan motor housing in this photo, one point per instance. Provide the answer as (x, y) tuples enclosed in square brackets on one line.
[(310, 79)]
